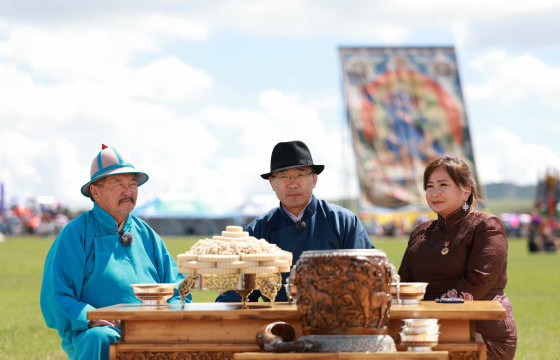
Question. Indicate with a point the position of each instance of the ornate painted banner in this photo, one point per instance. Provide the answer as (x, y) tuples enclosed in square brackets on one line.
[(405, 108)]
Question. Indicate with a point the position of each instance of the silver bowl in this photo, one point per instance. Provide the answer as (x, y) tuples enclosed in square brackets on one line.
[(153, 294), (408, 293)]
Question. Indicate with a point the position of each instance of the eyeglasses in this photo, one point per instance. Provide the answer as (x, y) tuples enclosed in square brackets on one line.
[(287, 178)]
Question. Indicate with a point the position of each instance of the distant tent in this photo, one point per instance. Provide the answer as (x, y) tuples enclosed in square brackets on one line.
[(258, 205), (174, 207), (183, 215)]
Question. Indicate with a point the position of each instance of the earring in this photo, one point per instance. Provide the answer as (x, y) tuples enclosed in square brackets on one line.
[(465, 207)]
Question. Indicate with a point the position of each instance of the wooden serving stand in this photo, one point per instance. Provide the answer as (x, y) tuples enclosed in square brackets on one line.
[(220, 330)]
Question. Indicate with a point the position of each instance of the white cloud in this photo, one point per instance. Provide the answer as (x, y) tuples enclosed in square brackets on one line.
[(122, 74), (66, 54), (36, 166), (479, 8), (233, 119), (165, 26), (62, 102), (502, 156), (216, 160), (286, 109), (246, 138), (169, 80), (507, 79), (550, 127), (197, 20)]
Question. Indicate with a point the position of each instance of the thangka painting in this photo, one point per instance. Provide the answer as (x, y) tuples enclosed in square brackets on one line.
[(405, 108)]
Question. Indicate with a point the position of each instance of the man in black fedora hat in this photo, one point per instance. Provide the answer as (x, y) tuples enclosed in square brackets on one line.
[(302, 222)]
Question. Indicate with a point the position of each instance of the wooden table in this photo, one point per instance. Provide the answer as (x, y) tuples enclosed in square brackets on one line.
[(218, 330)]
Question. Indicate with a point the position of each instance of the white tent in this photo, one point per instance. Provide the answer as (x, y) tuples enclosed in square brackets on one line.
[(258, 205), (179, 214)]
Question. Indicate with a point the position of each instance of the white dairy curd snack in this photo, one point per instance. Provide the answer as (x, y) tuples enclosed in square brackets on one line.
[(234, 251)]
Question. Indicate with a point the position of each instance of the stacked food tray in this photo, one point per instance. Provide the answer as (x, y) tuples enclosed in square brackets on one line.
[(234, 252)]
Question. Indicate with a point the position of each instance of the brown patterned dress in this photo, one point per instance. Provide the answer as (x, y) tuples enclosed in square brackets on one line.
[(476, 263)]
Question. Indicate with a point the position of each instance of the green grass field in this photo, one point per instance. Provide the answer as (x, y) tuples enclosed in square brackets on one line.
[(533, 288), (498, 206)]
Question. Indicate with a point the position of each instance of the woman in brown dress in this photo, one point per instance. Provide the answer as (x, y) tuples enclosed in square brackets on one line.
[(463, 253)]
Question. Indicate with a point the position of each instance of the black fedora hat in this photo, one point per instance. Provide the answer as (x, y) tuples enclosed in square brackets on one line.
[(291, 154)]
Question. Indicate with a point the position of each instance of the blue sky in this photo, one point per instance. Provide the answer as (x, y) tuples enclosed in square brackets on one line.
[(197, 92)]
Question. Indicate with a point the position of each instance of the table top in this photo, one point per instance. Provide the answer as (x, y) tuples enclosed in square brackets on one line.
[(470, 310)]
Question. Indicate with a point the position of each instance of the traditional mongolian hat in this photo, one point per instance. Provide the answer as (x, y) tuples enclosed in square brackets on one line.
[(291, 154), (108, 162)]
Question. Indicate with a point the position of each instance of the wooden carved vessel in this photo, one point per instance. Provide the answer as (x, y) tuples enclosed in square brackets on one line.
[(342, 292)]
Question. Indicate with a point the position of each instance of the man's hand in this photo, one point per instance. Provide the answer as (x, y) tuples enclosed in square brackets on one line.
[(114, 323)]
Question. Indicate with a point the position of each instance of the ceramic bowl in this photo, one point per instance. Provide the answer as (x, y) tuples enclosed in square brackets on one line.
[(410, 323), (419, 338)]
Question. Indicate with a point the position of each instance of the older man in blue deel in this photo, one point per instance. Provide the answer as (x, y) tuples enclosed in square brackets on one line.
[(97, 256)]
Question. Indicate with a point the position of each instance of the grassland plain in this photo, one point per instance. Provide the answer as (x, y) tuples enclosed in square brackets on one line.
[(533, 288)]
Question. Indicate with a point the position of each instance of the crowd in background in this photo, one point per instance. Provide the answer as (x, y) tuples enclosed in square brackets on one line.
[(541, 234), (34, 219), (49, 219)]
